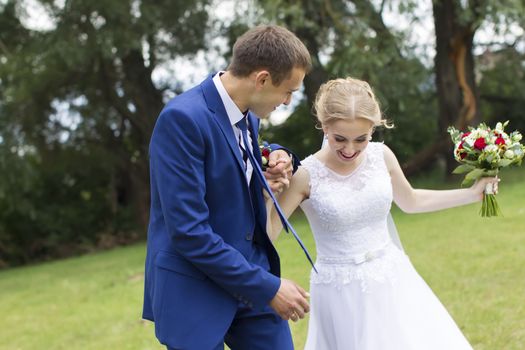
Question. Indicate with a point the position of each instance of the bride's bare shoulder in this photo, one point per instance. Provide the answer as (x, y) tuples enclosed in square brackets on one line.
[(390, 158)]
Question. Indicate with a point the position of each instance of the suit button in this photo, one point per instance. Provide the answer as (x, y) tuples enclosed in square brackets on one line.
[(249, 237)]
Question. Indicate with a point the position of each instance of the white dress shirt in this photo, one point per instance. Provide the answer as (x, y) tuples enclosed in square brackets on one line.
[(235, 115)]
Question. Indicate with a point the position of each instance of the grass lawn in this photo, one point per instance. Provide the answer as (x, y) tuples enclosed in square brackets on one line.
[(474, 265)]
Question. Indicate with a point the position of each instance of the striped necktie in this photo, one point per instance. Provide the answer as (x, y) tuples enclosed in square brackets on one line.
[(243, 151)]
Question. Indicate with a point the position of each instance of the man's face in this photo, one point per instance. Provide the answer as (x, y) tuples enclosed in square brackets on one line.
[(268, 97)]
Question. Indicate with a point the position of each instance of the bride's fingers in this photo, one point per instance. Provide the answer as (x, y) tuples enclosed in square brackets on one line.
[(279, 185)]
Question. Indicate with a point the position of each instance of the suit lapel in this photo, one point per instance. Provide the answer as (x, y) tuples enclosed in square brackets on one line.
[(215, 104)]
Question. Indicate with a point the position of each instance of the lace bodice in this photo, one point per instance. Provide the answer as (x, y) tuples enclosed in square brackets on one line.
[(348, 217)]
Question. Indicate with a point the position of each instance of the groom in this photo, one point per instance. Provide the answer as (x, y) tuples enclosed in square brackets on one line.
[(212, 274)]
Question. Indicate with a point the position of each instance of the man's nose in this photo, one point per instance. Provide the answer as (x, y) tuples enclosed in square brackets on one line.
[(287, 100)]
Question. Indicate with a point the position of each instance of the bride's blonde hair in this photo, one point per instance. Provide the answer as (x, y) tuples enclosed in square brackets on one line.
[(348, 98)]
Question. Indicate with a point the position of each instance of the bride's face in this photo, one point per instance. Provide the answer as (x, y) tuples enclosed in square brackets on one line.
[(348, 138)]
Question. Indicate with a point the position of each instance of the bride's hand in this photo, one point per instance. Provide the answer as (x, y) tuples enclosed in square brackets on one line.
[(481, 184), (277, 186), (279, 171)]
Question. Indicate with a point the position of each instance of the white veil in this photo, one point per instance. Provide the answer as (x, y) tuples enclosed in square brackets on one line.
[(392, 230)]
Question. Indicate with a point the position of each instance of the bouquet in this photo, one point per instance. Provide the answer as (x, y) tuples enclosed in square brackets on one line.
[(482, 151)]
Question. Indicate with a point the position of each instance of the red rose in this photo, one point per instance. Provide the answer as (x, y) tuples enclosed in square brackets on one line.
[(265, 152), (480, 144), (461, 153), (500, 141)]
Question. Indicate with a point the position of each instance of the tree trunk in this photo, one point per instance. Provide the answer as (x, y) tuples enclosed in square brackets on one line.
[(454, 67), (138, 109), (140, 90)]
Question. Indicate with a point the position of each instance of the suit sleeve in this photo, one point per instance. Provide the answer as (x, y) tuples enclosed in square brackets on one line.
[(177, 159)]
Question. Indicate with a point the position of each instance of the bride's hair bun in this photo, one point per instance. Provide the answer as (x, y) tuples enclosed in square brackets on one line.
[(348, 98)]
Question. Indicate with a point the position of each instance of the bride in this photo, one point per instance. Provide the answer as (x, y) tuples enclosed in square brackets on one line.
[(366, 294)]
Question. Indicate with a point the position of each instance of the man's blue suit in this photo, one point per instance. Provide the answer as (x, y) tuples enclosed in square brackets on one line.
[(209, 260)]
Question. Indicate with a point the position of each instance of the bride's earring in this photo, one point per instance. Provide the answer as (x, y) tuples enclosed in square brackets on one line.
[(325, 141)]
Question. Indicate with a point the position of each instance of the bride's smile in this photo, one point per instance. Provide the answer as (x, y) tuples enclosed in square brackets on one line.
[(348, 157)]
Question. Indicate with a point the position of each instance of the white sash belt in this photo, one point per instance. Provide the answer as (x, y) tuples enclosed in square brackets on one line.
[(355, 259)]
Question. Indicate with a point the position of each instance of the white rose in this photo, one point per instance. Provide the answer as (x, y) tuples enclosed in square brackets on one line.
[(516, 137), (470, 141), (483, 133), (509, 154), (499, 126), (491, 148)]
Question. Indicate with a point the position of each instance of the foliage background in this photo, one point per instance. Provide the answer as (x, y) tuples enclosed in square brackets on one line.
[(81, 85), (80, 93)]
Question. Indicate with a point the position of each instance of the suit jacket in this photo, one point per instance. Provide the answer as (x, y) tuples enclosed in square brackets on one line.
[(207, 245)]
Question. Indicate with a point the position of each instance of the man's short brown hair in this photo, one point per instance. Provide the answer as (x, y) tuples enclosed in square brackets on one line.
[(269, 47)]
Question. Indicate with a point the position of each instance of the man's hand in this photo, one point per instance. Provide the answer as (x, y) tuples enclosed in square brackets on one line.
[(290, 302), (279, 171)]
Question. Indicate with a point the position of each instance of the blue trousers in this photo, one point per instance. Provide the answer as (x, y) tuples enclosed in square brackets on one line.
[(255, 331)]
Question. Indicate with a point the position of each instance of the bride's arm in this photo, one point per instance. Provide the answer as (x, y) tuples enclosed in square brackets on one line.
[(412, 200), (289, 200)]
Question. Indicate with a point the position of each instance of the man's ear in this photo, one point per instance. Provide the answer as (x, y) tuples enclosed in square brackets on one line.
[(262, 78)]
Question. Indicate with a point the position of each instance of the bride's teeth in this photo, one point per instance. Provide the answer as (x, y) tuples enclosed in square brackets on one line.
[(348, 157)]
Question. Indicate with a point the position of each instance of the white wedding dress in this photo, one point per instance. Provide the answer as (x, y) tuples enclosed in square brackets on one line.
[(367, 295)]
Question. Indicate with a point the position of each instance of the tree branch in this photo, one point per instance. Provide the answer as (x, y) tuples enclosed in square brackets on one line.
[(425, 157), (111, 96), (4, 48)]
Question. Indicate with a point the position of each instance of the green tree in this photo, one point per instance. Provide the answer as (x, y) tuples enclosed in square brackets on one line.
[(501, 86), (78, 107), (351, 38), (456, 24), (354, 40)]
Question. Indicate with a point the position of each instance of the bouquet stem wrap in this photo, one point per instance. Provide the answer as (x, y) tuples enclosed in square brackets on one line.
[(489, 205)]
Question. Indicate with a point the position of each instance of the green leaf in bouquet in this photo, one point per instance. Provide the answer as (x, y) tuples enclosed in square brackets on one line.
[(466, 182), (463, 168), (474, 163), (505, 162), (455, 134), (472, 176)]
